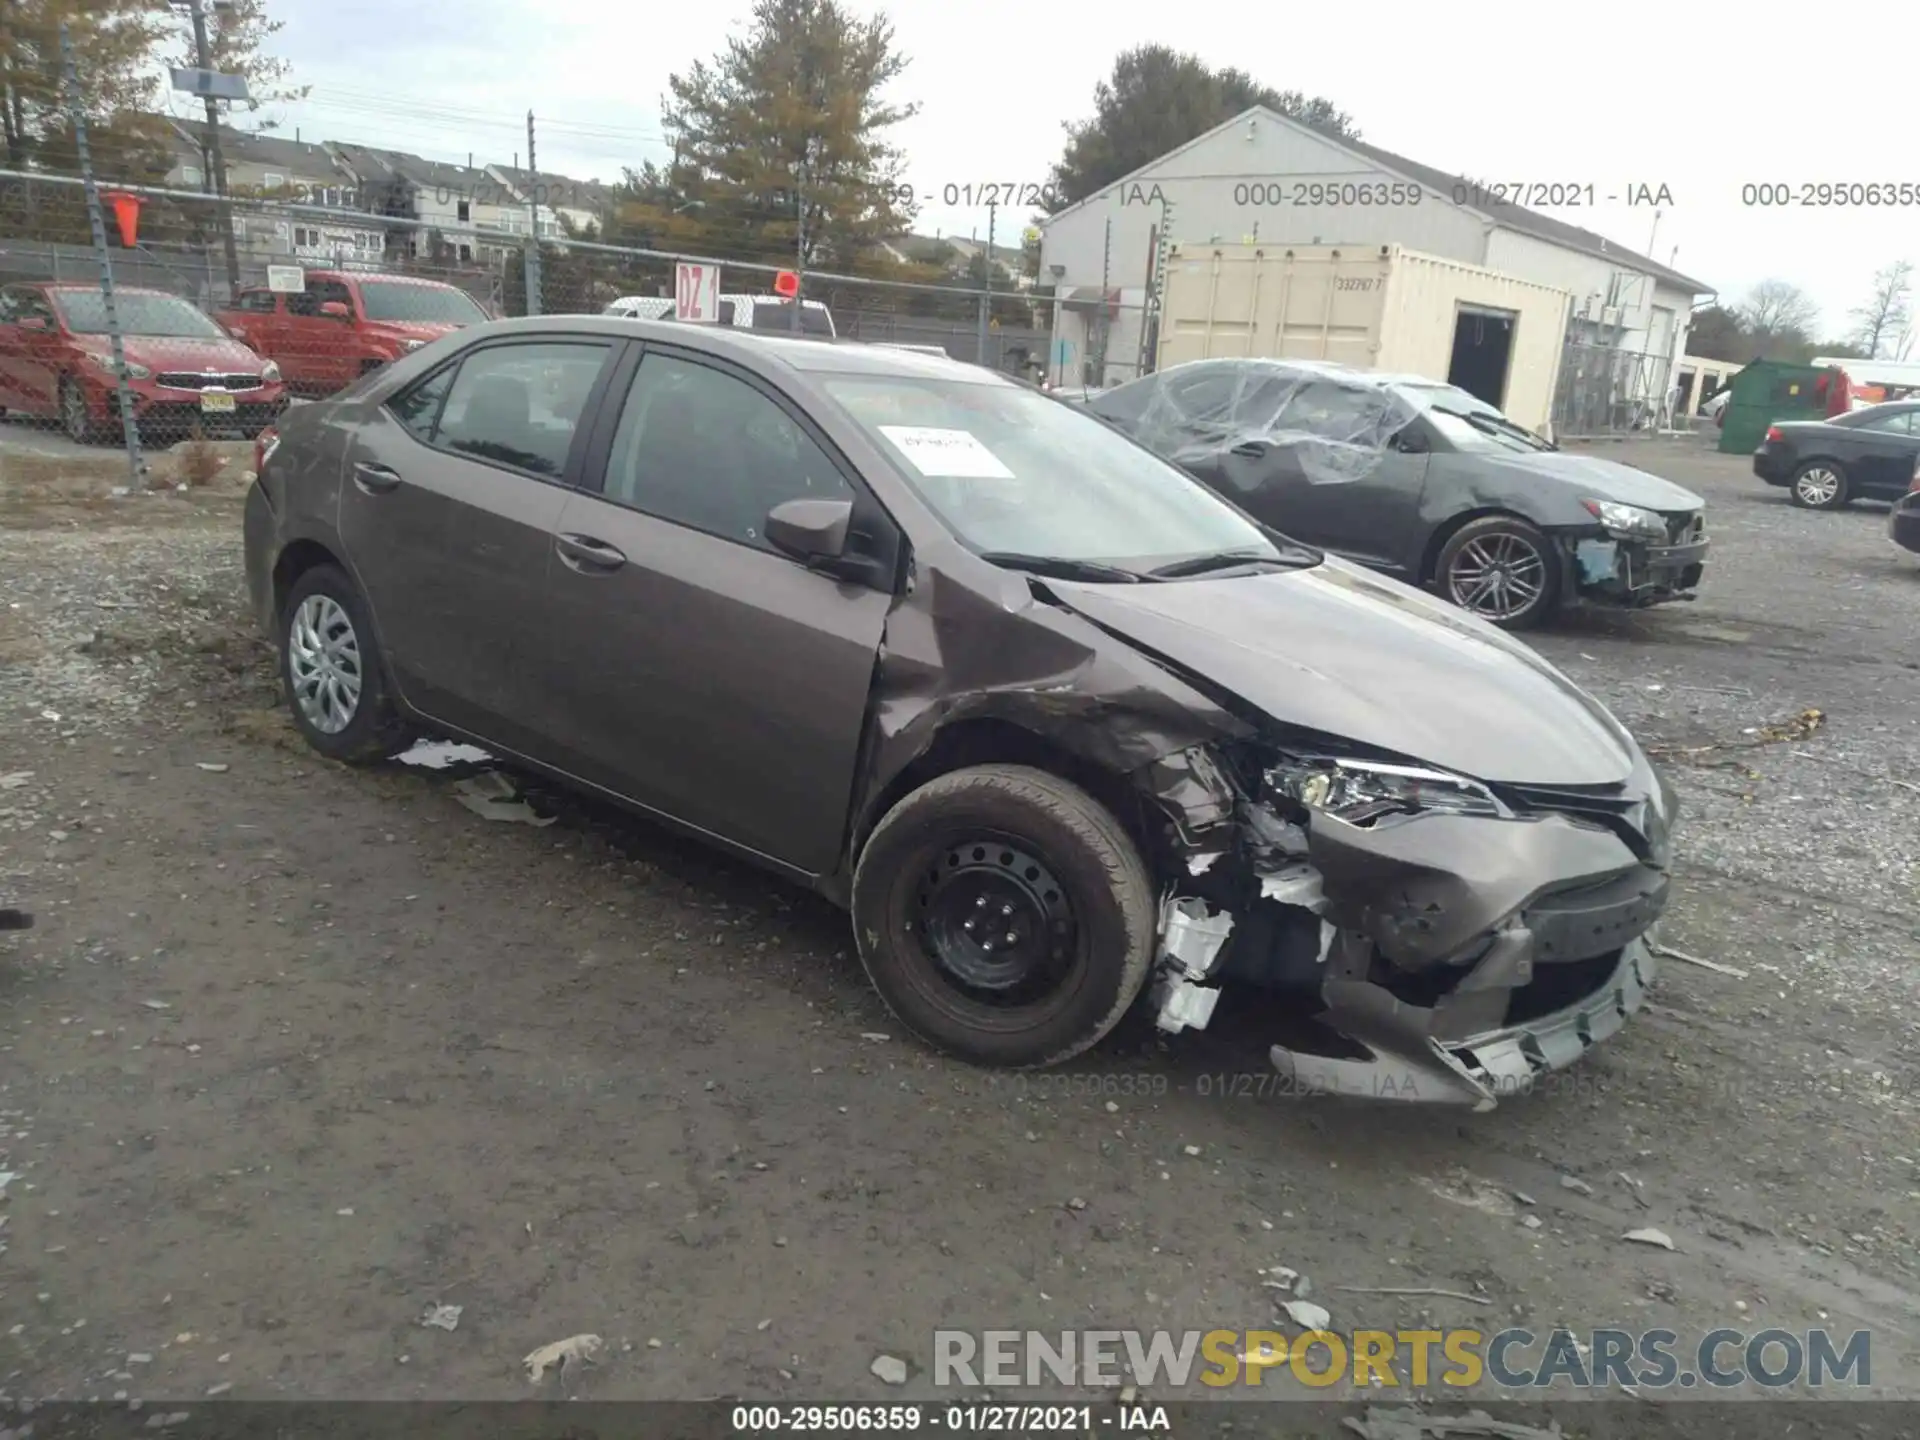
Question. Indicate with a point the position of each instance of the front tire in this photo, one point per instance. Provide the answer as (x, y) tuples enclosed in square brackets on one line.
[(1503, 570), (75, 419), (331, 668), (1004, 915), (1820, 485)]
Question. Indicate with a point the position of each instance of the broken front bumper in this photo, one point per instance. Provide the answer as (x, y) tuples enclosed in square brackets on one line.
[(1633, 573), (1483, 1069)]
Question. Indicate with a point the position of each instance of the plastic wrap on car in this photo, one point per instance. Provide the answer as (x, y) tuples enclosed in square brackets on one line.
[(1335, 430)]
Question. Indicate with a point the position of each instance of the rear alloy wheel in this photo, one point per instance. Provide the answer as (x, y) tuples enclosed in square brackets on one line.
[(1004, 915), (335, 682), (1819, 485), (74, 417), (1501, 569)]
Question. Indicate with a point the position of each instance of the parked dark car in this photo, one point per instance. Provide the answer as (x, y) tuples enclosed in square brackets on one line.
[(1866, 454), (183, 370), (1060, 727), (1903, 525), (1420, 480)]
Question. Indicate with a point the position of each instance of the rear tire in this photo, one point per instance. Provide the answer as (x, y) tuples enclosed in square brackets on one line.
[(1820, 485), (335, 679), (1501, 569), (1004, 915)]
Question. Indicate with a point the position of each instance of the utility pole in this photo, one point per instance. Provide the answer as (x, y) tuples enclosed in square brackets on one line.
[(800, 233), (77, 115), (1098, 355), (216, 164), (986, 298), (533, 225)]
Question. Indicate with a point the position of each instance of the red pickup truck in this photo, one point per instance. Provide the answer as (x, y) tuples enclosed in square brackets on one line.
[(344, 324)]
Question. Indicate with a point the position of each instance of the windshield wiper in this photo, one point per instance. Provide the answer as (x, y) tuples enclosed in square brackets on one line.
[(1063, 567), (1229, 560), (1497, 425)]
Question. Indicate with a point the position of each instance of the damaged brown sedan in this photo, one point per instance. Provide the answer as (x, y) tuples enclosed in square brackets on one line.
[(1063, 729)]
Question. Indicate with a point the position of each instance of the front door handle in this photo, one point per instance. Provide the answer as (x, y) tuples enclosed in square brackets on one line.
[(585, 553), (375, 479), (1250, 449)]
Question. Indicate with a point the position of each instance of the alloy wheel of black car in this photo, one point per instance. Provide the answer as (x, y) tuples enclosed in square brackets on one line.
[(1004, 915), (1501, 569), (1820, 485), (331, 668)]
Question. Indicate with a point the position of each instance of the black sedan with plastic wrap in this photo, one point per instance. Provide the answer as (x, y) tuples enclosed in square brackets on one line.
[(1422, 481), (1063, 730)]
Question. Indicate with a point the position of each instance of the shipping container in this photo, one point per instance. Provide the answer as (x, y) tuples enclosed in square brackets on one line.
[(1373, 307)]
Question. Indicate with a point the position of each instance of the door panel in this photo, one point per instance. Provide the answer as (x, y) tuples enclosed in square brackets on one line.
[(452, 551), (708, 676), (720, 684)]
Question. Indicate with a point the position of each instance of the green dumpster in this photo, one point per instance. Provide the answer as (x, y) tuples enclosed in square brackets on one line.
[(1769, 391)]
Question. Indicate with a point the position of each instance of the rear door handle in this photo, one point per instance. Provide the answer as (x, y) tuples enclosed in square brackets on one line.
[(584, 553), (375, 479)]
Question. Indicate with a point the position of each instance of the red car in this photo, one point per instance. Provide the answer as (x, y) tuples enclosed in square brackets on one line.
[(56, 362), (344, 324)]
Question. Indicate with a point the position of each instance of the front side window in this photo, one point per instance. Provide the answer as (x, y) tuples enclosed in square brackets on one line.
[(520, 405), (85, 312), (1011, 470), (701, 448), (257, 302)]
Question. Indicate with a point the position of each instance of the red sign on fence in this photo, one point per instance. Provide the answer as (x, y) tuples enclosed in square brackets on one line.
[(696, 293)]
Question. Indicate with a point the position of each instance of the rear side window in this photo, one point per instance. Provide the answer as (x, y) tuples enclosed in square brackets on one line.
[(517, 405), (1897, 424)]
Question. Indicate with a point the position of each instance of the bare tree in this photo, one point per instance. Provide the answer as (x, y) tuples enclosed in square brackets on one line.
[(1778, 308), (1883, 320)]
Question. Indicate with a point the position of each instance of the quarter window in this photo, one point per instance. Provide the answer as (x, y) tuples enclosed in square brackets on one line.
[(701, 448), (518, 405), (1900, 424)]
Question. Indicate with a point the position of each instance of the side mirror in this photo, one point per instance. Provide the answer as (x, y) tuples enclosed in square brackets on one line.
[(810, 530), (336, 310), (815, 532), (1410, 442)]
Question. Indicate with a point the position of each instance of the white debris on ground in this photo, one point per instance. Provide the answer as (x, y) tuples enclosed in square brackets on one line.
[(562, 1354)]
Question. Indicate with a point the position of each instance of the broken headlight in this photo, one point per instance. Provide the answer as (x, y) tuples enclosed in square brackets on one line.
[(1362, 791), (1627, 522)]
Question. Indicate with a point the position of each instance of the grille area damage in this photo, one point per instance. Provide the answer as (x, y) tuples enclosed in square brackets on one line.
[(1440, 940)]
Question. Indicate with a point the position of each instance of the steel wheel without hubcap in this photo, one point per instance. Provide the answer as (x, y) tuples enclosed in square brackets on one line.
[(994, 921), (1497, 577), (1818, 487), (323, 664)]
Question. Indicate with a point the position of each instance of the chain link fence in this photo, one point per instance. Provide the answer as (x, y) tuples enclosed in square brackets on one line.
[(1604, 391), (320, 293)]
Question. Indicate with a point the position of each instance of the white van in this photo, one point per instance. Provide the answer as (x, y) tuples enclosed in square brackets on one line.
[(766, 313)]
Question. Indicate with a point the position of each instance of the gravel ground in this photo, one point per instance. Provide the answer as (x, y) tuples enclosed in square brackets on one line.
[(296, 1052)]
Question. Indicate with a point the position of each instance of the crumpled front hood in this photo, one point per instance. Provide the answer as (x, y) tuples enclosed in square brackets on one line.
[(1339, 650), (1595, 478)]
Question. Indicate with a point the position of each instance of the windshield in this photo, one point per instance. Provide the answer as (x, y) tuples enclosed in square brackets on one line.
[(1468, 423), (85, 312), (419, 304), (1011, 470)]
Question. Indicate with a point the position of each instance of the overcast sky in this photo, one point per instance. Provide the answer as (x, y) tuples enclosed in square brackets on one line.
[(1633, 93)]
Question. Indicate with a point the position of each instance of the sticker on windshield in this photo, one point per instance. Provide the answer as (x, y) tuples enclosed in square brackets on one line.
[(946, 454)]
